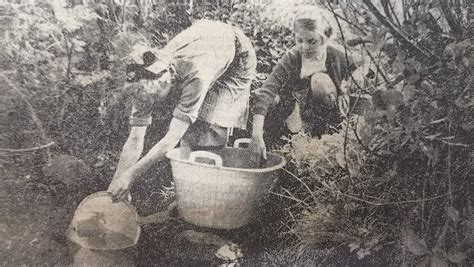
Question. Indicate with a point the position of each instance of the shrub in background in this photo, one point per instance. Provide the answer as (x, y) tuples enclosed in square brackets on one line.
[(401, 174)]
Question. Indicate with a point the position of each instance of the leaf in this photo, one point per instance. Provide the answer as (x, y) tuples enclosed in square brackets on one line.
[(402, 55), (469, 230), (414, 244), (426, 85), (423, 262), (457, 256), (393, 98), (433, 136), (340, 159), (468, 127), (453, 214), (274, 53), (78, 45), (361, 253), (78, 42), (412, 79), (78, 49), (353, 246), (437, 261), (409, 91), (440, 120)]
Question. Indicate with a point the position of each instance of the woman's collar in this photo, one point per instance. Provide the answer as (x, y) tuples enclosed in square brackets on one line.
[(310, 66)]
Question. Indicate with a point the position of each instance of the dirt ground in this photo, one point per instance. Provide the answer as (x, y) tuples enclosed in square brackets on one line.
[(34, 219), (31, 225)]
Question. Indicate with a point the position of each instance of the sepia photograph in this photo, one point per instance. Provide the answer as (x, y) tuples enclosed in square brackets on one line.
[(236, 133)]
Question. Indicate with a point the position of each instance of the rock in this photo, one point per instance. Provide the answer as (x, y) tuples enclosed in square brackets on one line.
[(229, 252), (226, 250)]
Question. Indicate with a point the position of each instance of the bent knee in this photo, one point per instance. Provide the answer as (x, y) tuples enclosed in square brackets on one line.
[(321, 83), (323, 89)]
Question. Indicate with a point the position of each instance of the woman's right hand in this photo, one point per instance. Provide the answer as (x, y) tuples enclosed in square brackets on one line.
[(257, 144), (259, 151)]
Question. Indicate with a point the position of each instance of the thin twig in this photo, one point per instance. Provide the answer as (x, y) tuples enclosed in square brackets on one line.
[(456, 28), (353, 80), (377, 66), (405, 10), (392, 202), (396, 32), (123, 12), (422, 221), (386, 10), (345, 47), (442, 235), (366, 148), (112, 9), (392, 9), (69, 51), (352, 24), (303, 183), (32, 111), (291, 198), (20, 150)]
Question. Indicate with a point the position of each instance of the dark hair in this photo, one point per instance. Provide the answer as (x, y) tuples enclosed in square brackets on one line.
[(136, 72)]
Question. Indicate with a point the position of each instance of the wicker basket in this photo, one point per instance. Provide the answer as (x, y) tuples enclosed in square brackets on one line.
[(225, 193)]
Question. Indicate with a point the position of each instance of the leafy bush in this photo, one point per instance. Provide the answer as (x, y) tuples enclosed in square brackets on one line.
[(402, 172)]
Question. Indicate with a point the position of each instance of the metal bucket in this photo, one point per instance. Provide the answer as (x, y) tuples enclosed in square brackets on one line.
[(225, 192)]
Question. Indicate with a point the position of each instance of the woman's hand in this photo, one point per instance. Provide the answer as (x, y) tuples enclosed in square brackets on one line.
[(120, 186), (257, 145), (259, 151)]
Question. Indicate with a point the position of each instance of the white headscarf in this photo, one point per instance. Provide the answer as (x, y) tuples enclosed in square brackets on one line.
[(325, 22), (325, 26)]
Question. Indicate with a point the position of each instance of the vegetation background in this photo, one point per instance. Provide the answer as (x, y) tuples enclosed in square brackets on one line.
[(397, 175)]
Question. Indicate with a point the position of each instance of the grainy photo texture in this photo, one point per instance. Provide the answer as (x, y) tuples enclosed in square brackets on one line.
[(236, 133)]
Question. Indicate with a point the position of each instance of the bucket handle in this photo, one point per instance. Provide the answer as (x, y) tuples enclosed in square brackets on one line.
[(240, 141), (207, 155)]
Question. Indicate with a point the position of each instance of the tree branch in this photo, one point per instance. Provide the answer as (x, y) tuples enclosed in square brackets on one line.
[(32, 111), (396, 32), (386, 10), (13, 150), (377, 66), (456, 28), (392, 9)]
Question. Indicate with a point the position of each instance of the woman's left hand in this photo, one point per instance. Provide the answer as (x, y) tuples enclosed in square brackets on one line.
[(120, 186)]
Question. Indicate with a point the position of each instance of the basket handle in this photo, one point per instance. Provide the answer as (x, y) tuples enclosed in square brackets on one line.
[(207, 155), (240, 141)]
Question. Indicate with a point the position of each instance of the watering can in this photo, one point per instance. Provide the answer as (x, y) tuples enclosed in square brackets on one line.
[(101, 224), (103, 228)]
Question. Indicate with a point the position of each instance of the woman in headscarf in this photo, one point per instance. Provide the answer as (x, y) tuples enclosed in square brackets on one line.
[(304, 89), (208, 68)]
